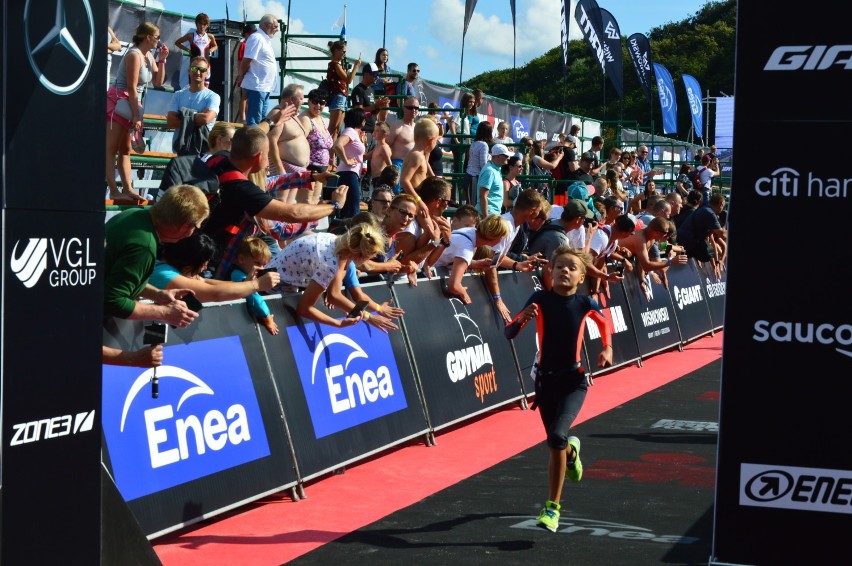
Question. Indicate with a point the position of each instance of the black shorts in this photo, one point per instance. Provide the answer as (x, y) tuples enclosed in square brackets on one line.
[(559, 397), (317, 168)]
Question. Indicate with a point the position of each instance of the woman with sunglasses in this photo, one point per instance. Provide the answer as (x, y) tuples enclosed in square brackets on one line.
[(320, 141), (338, 81), (124, 106), (511, 185)]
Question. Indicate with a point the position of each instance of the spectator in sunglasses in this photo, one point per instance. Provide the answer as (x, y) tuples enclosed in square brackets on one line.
[(193, 111)]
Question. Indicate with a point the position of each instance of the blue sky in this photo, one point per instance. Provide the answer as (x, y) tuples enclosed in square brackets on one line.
[(430, 32)]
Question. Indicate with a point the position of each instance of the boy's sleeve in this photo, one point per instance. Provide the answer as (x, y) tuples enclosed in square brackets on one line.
[(255, 303)]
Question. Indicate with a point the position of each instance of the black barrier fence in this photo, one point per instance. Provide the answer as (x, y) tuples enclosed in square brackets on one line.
[(241, 413)]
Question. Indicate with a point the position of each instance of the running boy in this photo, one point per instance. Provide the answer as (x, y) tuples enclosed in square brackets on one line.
[(415, 168), (253, 254), (560, 383)]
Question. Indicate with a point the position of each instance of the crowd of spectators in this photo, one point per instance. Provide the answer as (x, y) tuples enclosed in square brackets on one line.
[(283, 172)]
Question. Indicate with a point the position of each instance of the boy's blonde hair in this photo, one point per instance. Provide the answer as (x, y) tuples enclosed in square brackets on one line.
[(565, 249), (255, 248), (425, 129), (383, 126), (493, 226)]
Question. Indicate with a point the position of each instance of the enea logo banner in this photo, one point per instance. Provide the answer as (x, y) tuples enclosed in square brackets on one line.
[(205, 420), (349, 375), (791, 487)]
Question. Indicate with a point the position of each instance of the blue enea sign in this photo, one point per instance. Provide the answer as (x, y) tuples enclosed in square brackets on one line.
[(349, 375), (205, 420), (520, 128)]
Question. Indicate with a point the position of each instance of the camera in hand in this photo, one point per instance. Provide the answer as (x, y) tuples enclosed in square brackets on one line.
[(155, 333), (265, 270), (615, 267), (590, 222)]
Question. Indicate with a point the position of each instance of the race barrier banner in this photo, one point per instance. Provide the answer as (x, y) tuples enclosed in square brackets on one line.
[(625, 348), (241, 413), (346, 392), (213, 437), (715, 291), (784, 472), (652, 312), (690, 300), (467, 367), (52, 285)]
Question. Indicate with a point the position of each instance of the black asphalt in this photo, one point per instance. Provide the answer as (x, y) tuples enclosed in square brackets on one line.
[(646, 497)]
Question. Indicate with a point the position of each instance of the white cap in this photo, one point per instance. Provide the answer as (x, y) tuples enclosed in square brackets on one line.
[(500, 149)]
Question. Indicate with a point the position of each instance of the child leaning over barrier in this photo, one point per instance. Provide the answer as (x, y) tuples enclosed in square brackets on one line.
[(560, 380), (254, 254)]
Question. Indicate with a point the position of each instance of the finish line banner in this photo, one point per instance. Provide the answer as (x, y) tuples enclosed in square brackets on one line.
[(787, 346)]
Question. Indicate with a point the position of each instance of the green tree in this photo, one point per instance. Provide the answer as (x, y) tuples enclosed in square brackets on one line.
[(701, 46)]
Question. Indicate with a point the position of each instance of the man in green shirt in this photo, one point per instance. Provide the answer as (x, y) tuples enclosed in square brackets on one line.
[(132, 238)]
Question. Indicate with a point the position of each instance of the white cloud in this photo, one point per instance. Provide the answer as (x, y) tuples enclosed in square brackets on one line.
[(538, 29), (155, 4)]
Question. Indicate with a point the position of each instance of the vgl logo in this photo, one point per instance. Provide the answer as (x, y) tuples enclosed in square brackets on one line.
[(69, 257)]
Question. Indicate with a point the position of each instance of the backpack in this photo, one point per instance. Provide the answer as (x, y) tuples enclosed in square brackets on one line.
[(695, 178), (190, 170)]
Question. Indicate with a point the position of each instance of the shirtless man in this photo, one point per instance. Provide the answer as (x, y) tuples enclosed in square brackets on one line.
[(401, 137), (289, 151), (416, 168)]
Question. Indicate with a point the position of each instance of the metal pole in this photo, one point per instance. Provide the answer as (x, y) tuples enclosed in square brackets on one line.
[(461, 65), (385, 26), (514, 61)]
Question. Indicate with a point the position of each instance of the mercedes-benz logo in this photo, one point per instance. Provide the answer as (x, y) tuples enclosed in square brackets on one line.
[(58, 37)]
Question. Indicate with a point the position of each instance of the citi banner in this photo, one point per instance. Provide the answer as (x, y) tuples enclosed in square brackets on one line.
[(640, 53), (612, 51), (693, 94), (205, 420), (787, 345), (668, 102), (588, 15), (349, 375)]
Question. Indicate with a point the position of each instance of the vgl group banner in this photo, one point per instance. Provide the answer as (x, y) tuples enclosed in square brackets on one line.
[(784, 490)]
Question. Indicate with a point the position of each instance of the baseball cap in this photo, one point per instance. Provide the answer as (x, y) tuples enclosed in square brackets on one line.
[(705, 159), (580, 191), (500, 149), (638, 224), (576, 208), (370, 68), (572, 139)]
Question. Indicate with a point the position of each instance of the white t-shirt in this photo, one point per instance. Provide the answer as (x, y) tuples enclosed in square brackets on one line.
[(462, 245), (310, 258), (262, 74), (577, 238), (502, 247)]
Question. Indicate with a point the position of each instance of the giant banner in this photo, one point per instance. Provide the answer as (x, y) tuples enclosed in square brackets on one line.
[(784, 481), (53, 85)]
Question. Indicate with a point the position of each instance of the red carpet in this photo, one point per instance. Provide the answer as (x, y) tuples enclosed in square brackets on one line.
[(276, 529)]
